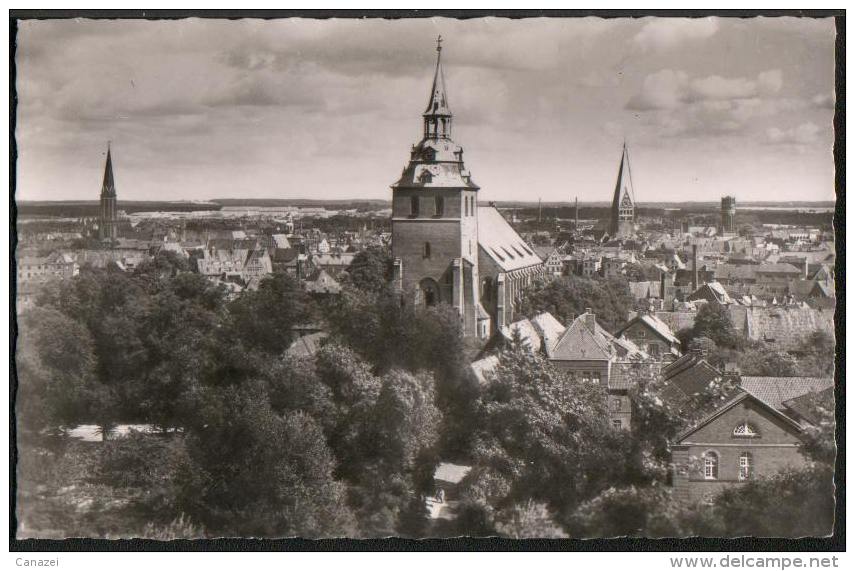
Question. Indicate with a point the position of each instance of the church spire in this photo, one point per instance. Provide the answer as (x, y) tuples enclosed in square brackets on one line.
[(437, 116), (623, 202), (108, 188)]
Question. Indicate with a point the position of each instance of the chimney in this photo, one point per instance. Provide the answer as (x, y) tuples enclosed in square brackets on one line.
[(590, 319), (694, 267)]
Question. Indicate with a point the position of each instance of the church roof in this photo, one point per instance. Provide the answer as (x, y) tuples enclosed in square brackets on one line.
[(502, 243)]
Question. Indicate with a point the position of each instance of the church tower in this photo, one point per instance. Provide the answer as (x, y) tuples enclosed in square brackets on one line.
[(435, 216), (622, 224), (109, 217)]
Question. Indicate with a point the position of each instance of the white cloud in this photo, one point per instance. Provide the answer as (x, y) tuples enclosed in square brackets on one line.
[(664, 33), (804, 134), (665, 89), (668, 89)]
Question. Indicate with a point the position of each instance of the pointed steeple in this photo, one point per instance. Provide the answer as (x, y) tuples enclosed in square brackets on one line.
[(438, 104), (437, 116), (623, 202), (108, 188)]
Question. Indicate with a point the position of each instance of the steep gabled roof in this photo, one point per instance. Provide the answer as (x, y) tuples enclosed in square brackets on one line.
[(581, 342), (740, 397), (502, 243), (652, 323)]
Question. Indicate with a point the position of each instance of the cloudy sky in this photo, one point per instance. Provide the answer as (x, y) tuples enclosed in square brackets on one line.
[(200, 109)]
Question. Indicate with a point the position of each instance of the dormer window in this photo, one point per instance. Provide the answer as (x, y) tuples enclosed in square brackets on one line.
[(425, 177), (745, 430), (429, 154)]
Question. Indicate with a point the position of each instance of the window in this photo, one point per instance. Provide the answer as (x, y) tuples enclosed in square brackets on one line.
[(466, 206), (586, 376), (426, 251), (615, 405), (414, 205), (596, 378), (744, 430), (439, 205), (425, 177), (746, 466), (617, 423), (710, 466)]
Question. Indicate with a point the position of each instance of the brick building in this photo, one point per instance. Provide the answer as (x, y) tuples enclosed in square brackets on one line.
[(447, 249), (743, 439)]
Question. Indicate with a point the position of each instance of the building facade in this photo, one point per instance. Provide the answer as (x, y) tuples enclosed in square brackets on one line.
[(744, 439)]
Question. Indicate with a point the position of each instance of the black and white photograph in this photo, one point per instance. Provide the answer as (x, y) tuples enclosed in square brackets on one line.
[(259, 290)]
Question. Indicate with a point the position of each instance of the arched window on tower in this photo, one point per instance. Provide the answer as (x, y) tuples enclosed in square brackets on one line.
[(426, 250), (414, 206)]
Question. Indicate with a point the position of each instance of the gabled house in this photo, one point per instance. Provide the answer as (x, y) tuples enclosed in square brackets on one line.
[(590, 353), (743, 439), (652, 335)]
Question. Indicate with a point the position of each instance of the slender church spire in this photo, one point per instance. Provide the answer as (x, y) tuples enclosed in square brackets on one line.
[(108, 188), (437, 116), (109, 214), (623, 202)]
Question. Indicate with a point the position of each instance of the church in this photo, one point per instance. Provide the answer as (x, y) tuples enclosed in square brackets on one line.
[(447, 248), (622, 222), (108, 220)]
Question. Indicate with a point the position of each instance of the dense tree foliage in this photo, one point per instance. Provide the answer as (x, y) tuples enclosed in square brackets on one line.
[(713, 321), (56, 370), (371, 269), (568, 297), (255, 441)]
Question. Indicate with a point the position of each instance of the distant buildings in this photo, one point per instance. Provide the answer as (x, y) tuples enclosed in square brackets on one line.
[(235, 258)]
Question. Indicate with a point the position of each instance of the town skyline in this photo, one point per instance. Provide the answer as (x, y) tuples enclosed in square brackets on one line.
[(270, 113)]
